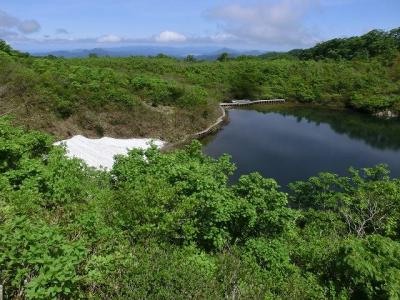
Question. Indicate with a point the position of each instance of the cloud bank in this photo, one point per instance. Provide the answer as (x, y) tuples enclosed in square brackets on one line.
[(170, 36), (11, 23), (274, 23), (110, 38), (267, 23)]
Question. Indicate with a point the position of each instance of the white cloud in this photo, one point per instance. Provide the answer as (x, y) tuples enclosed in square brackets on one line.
[(24, 26), (111, 38), (274, 23), (170, 36), (223, 37)]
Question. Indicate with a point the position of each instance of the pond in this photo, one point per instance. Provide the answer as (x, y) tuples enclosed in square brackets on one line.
[(292, 143)]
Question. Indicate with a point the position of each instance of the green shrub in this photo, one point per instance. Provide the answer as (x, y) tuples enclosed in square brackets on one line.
[(193, 96), (370, 267), (38, 261)]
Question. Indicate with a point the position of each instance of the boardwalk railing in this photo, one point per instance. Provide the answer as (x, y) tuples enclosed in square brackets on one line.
[(224, 106), (213, 126), (245, 103)]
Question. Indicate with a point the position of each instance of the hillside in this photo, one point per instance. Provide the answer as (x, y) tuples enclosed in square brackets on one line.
[(166, 98), (376, 43)]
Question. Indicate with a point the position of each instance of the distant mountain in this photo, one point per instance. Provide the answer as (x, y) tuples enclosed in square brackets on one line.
[(231, 53), (202, 53)]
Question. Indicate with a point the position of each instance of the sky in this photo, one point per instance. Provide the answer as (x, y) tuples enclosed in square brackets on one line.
[(243, 24)]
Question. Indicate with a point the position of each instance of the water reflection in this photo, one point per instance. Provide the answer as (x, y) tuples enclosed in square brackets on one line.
[(379, 133), (291, 143)]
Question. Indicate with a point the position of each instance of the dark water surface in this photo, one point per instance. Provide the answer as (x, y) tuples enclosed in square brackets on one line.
[(294, 143)]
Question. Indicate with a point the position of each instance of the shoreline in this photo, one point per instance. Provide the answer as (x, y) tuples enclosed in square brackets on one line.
[(218, 123), (212, 128)]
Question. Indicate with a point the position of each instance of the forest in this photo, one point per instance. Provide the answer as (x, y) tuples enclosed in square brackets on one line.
[(170, 225)]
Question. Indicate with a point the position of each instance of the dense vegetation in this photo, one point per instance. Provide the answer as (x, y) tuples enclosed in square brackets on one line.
[(168, 226), (167, 98), (376, 43)]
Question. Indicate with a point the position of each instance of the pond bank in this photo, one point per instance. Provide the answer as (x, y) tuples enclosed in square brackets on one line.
[(220, 121)]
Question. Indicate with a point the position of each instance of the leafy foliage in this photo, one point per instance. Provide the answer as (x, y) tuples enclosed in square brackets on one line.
[(371, 267), (376, 43), (6, 49), (168, 225), (37, 261), (368, 201)]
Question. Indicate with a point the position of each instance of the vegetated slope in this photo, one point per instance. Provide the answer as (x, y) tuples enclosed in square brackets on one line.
[(169, 226), (376, 43), (167, 98), (67, 97)]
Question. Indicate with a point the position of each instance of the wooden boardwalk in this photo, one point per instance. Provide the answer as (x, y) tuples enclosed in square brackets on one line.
[(246, 103)]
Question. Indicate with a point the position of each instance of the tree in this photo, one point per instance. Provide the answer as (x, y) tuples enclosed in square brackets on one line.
[(370, 267), (368, 201), (260, 209), (190, 58), (162, 55), (5, 47), (247, 81), (376, 43), (223, 57), (183, 194)]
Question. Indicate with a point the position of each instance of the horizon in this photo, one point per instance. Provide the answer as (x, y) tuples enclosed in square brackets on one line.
[(269, 25), (203, 49)]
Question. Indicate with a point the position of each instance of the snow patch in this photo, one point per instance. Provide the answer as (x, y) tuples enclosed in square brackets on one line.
[(99, 153)]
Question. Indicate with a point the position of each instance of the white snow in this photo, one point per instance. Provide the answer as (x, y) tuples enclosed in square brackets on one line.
[(100, 153)]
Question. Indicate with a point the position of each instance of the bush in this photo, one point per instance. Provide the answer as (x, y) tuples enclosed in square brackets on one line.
[(193, 96), (39, 262), (370, 267), (372, 103)]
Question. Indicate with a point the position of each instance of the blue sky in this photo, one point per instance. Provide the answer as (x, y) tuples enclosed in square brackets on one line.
[(268, 24)]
